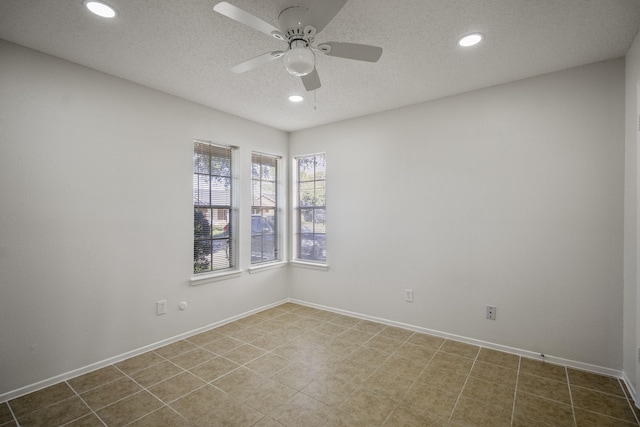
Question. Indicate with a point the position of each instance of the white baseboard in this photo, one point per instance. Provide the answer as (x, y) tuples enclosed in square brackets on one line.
[(520, 352), (115, 359)]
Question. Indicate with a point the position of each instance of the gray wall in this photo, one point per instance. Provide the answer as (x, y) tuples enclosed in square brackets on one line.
[(96, 216), (510, 196)]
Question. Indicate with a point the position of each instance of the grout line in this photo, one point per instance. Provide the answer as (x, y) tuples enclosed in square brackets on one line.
[(515, 392), (86, 404), (573, 410)]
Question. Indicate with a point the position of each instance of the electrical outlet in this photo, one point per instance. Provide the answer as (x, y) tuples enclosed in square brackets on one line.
[(161, 307), (408, 295), (491, 312)]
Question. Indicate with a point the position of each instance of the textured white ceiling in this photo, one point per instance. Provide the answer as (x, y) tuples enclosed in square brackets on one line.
[(186, 49)]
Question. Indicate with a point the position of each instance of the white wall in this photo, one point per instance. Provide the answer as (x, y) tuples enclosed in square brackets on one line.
[(510, 196), (631, 254), (96, 217)]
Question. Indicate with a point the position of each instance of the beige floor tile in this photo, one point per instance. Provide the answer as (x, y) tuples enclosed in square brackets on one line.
[(602, 403), (41, 398), (289, 332), (270, 342), (247, 335), (383, 344), (5, 414), (398, 365), (533, 410), (426, 340), (355, 336), (164, 416), (416, 353), (351, 371), (223, 345), (368, 357), (57, 414), (460, 349), (200, 402), (214, 368), (301, 410), (330, 389), (269, 326), (129, 409), (94, 379), (175, 349), (156, 373), (230, 328), (442, 379), (450, 362), (491, 393), (288, 317), (204, 338), (544, 387), (494, 374), (140, 362), (175, 387), (109, 393), (407, 416), (267, 422), (268, 364), (230, 413), (296, 375), (543, 369), (425, 399), (396, 333), (586, 418), (244, 354), (344, 320), (307, 323), (324, 315), (266, 396), (366, 407), (331, 329), (236, 381), (89, 420), (193, 358), (595, 382), (369, 326), (494, 357), (477, 413), (387, 384)]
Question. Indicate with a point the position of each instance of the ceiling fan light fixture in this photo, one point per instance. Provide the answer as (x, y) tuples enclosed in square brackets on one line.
[(470, 39), (100, 8), (299, 60), (296, 98)]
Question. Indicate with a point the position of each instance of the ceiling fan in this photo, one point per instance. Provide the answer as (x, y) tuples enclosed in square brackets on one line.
[(298, 28)]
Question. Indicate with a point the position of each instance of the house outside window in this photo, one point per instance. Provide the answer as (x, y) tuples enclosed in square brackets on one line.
[(214, 231), (310, 210), (265, 233)]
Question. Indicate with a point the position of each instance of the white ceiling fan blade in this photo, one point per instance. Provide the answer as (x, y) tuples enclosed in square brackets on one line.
[(257, 61), (322, 12), (360, 52), (239, 15), (311, 81)]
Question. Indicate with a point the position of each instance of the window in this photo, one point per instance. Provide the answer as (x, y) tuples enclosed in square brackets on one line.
[(213, 209), (311, 209), (265, 241)]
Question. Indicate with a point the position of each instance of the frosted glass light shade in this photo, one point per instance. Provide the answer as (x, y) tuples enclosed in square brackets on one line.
[(299, 60)]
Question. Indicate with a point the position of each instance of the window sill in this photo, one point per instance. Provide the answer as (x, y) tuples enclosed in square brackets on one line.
[(262, 267), (214, 277), (310, 265)]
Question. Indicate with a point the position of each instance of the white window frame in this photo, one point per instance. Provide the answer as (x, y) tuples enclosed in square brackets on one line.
[(231, 242), (299, 260), (276, 224)]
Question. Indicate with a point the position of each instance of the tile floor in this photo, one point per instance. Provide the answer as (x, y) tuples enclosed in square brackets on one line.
[(294, 365)]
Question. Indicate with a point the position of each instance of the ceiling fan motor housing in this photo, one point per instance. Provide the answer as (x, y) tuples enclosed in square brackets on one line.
[(299, 60)]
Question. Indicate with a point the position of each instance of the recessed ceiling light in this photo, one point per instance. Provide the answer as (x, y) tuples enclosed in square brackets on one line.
[(101, 9), (470, 40), (296, 98)]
